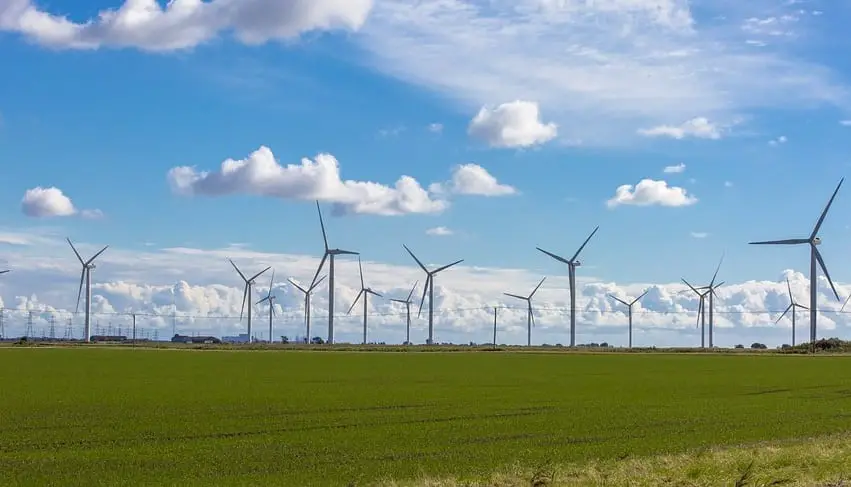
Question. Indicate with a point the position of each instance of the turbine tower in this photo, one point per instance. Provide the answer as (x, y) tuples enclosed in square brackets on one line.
[(86, 275), (329, 254), (429, 288), (792, 305), (815, 257), (407, 303), (530, 316), (365, 292), (271, 299), (572, 264), (629, 308), (701, 312), (307, 292), (246, 294)]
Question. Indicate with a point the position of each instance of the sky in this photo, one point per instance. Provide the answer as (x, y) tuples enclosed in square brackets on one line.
[(188, 133)]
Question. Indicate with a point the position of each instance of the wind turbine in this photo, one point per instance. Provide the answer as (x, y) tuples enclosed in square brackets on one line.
[(307, 292), (86, 275), (365, 292), (815, 256), (429, 288), (629, 307), (407, 303), (792, 305), (530, 316), (329, 254), (572, 264), (246, 294), (271, 299), (712, 287), (701, 312)]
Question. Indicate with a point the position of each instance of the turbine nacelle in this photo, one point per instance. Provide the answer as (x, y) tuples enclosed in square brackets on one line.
[(816, 241)]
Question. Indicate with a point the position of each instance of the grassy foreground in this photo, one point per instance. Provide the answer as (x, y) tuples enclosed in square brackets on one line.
[(100, 416)]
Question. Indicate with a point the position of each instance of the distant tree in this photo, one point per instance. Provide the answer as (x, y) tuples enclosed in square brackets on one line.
[(317, 341), (604, 345), (285, 339), (740, 346), (785, 346), (758, 346)]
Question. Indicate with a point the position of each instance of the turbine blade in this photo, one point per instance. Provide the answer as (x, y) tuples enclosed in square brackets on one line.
[(296, 285), (398, 301), (412, 290), (239, 271), (440, 269), (322, 224), (370, 291), (425, 290), (416, 259), (784, 313), (515, 296), (255, 276), (272, 305), (311, 288), (554, 256), (790, 241), (80, 291), (354, 303), (802, 306), (826, 274), (319, 269), (97, 255), (845, 303), (244, 297), (639, 297), (536, 287), (692, 287), (346, 252), (360, 269), (584, 244), (789, 287), (272, 282), (716, 271), (826, 208), (532, 314), (75, 251), (262, 300), (699, 311), (4, 272), (618, 299)]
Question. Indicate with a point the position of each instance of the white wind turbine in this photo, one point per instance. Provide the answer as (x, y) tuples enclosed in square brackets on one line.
[(629, 306), (271, 299), (792, 307), (365, 292), (86, 275), (307, 292), (407, 303), (246, 293), (530, 315)]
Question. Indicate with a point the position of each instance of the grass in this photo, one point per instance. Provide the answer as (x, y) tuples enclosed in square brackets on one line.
[(107, 416)]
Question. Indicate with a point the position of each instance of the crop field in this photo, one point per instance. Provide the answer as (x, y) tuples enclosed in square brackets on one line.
[(101, 416)]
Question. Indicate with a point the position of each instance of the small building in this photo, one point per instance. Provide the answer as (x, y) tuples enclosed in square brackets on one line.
[(241, 338), (108, 338), (196, 339)]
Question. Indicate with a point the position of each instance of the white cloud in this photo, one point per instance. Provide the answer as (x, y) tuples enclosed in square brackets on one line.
[(600, 68), (207, 294), (778, 141), (439, 232), (846, 123), (49, 202), (699, 127), (182, 24), (319, 178), (675, 169), (435, 128), (649, 192), (699, 234), (513, 124), (474, 180), (728, 184)]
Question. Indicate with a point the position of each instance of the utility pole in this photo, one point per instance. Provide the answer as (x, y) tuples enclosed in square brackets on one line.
[(494, 327)]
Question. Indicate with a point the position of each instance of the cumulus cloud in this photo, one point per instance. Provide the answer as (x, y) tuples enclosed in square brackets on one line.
[(439, 232), (699, 127), (182, 24), (207, 294), (778, 141), (675, 169), (319, 178), (50, 202), (474, 180), (649, 192), (513, 124)]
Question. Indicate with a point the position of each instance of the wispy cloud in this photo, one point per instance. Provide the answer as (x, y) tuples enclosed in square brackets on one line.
[(439, 232), (699, 127), (678, 168), (699, 234), (778, 141), (601, 69)]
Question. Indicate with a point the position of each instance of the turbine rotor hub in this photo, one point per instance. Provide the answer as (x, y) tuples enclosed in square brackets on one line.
[(817, 241)]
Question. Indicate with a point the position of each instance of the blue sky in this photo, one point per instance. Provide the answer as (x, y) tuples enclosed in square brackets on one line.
[(104, 113)]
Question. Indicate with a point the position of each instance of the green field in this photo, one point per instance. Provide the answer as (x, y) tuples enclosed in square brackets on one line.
[(103, 416)]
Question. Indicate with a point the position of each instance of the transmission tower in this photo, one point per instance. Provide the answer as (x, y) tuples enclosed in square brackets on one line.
[(29, 333), (69, 330), (2, 325), (52, 327)]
